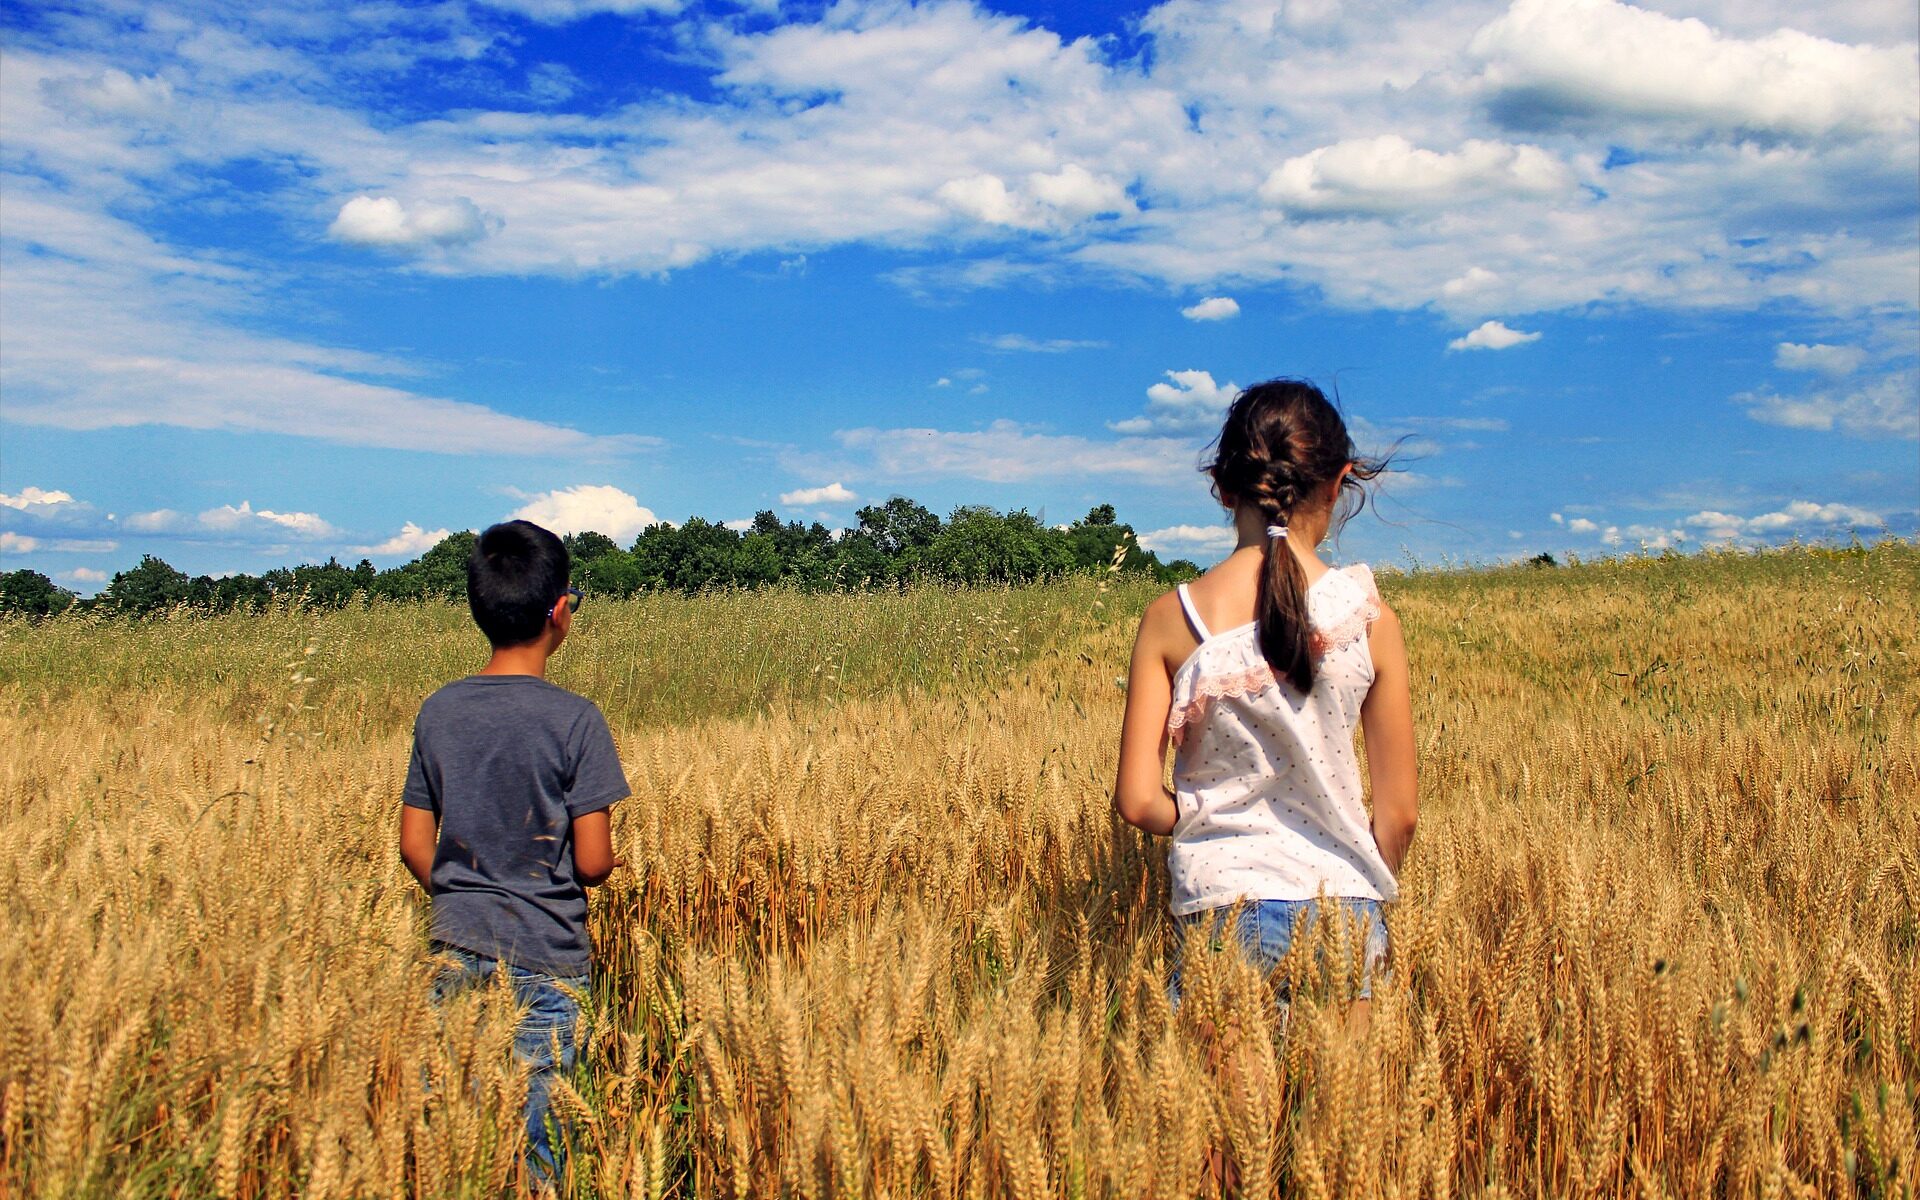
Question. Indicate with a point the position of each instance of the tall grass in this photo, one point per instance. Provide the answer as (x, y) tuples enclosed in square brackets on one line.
[(882, 937)]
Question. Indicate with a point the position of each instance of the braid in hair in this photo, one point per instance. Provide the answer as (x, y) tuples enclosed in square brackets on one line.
[(1282, 440)]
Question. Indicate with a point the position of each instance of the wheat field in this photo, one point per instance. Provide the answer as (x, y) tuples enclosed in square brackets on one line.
[(881, 936)]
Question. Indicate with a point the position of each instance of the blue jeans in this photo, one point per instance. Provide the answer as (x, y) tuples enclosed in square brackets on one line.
[(544, 1039), (1266, 929)]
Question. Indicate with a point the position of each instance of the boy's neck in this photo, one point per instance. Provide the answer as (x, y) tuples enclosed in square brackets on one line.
[(528, 659)]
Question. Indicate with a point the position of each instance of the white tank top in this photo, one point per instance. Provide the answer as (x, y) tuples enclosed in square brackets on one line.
[(1266, 779)]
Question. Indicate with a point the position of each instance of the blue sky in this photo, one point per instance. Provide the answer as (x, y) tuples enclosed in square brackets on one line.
[(279, 282)]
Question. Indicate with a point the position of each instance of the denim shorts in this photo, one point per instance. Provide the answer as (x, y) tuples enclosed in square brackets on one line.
[(1266, 930)]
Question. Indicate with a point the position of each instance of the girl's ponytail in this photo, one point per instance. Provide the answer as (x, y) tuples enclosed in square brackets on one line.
[(1282, 441), (1280, 609)]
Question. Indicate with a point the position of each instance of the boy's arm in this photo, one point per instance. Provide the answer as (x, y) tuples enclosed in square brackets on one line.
[(598, 782), (419, 837), (593, 858)]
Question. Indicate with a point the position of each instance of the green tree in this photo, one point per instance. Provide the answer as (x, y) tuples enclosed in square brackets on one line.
[(439, 573), (979, 545), (1099, 514), (613, 573), (588, 545), (29, 593), (151, 586), (899, 526)]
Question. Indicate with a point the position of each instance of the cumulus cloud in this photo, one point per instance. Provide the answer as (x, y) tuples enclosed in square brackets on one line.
[(1885, 407), (832, 493), (1046, 201), (1213, 308), (1388, 175), (601, 508), (1492, 335), (245, 518), (384, 221), (410, 542), (84, 575), (1828, 360), (1190, 540), (17, 543), (1582, 525), (1554, 61), (1187, 402), (1799, 518), (38, 501)]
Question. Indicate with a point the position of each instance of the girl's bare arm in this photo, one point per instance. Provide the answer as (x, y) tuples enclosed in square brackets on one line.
[(1387, 718), (1140, 794)]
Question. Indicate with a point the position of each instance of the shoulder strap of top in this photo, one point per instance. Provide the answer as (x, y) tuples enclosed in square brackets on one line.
[(1193, 614)]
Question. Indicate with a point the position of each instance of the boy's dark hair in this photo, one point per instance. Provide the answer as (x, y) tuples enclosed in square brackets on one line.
[(1282, 440), (516, 573)]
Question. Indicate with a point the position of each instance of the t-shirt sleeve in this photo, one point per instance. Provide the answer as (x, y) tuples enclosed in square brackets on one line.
[(419, 792), (597, 780)]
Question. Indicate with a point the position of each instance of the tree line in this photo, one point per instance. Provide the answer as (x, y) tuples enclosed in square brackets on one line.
[(894, 544)]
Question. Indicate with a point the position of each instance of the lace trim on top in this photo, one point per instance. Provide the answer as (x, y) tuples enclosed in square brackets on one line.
[(1204, 689)]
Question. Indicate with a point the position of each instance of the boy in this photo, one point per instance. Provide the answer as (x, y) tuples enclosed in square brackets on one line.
[(504, 820)]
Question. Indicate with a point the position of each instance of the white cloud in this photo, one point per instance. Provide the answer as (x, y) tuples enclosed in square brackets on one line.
[(1492, 335), (245, 518), (1006, 452), (1188, 540), (1554, 61), (832, 493), (1801, 517), (1213, 308), (410, 541), (21, 543), (942, 382), (738, 526), (556, 12), (1388, 175), (1581, 525), (84, 575), (160, 520), (1047, 201), (1886, 407), (1190, 402), (109, 328), (597, 507), (111, 94), (37, 500), (1829, 360), (1021, 343), (383, 221)]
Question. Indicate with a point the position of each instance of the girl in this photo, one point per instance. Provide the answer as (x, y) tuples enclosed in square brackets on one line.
[(1257, 673)]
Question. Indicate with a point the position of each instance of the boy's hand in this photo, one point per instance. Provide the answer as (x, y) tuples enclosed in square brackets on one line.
[(593, 858)]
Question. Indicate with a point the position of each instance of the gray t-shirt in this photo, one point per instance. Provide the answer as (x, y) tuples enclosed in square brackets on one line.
[(507, 762)]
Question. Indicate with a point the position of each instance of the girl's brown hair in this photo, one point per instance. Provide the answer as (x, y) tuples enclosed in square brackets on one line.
[(1284, 440)]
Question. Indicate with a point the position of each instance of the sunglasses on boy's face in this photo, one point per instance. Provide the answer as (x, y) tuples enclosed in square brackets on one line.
[(572, 602)]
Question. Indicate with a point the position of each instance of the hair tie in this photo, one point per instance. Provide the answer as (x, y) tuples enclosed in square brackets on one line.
[(1276, 531)]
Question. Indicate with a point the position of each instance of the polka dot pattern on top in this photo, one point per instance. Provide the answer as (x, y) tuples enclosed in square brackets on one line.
[(1266, 778)]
